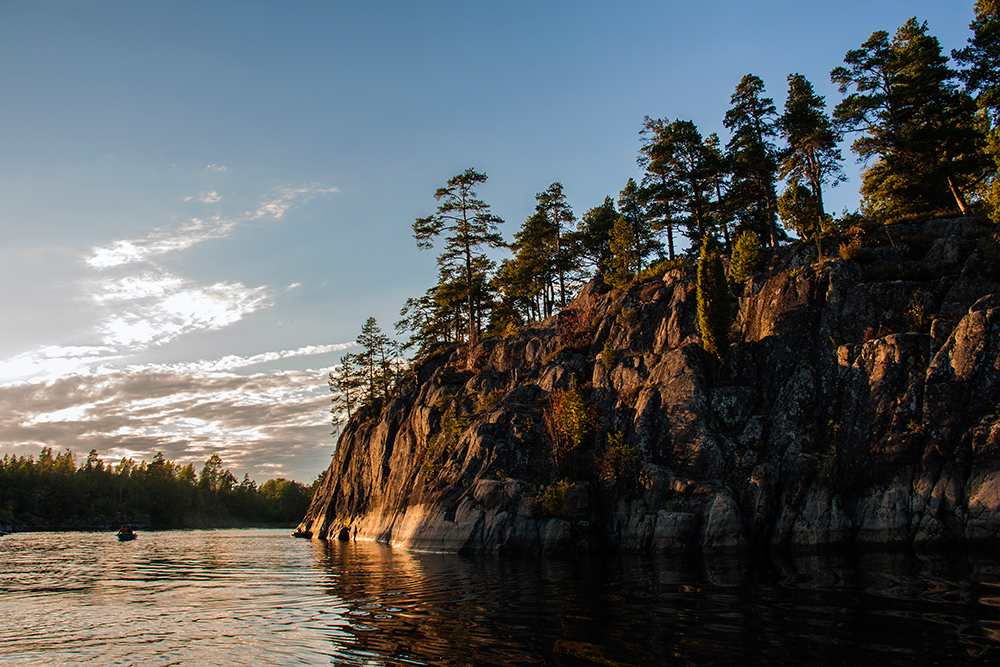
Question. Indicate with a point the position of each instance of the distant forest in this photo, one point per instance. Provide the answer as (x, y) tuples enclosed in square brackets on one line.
[(926, 126), (52, 493)]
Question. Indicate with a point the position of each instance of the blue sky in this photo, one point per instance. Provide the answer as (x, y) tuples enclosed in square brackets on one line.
[(203, 201)]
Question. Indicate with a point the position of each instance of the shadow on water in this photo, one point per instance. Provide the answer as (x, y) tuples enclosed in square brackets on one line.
[(443, 609)]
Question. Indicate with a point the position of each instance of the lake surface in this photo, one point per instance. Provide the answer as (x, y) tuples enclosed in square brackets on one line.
[(258, 597)]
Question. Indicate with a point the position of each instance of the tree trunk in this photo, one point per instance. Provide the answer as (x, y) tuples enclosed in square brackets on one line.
[(958, 197), (818, 192)]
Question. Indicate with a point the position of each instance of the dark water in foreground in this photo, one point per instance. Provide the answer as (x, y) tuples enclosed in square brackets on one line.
[(258, 597)]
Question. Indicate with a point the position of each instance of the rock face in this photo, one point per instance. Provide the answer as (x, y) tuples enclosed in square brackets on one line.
[(858, 405)]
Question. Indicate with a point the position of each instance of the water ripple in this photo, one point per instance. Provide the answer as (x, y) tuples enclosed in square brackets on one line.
[(261, 598)]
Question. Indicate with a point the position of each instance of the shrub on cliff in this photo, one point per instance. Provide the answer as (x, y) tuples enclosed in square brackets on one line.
[(619, 464), (714, 309), (570, 419)]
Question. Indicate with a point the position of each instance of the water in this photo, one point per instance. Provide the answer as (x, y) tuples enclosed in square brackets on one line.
[(258, 597)]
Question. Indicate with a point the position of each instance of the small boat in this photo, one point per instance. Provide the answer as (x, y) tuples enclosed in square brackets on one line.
[(125, 537)]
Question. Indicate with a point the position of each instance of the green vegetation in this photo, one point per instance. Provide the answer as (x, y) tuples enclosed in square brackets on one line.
[(625, 254), (570, 421), (53, 492), (714, 308), (681, 185), (552, 500), (800, 212), (367, 377), (812, 157), (916, 128), (619, 464), (459, 302), (753, 160), (746, 256), (982, 79), (927, 149)]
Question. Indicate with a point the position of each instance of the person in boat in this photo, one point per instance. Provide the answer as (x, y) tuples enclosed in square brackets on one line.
[(125, 530)]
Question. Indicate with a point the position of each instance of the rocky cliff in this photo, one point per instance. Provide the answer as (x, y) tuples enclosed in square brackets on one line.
[(857, 406)]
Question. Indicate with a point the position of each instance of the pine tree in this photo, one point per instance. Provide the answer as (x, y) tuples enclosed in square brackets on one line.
[(982, 57), (714, 309), (800, 211), (982, 78), (752, 159), (625, 254), (680, 178), (533, 265), (746, 255), (917, 130), (812, 154), (469, 227), (559, 216), (513, 306), (594, 233), (660, 190), (718, 170), (372, 341), (630, 203), (345, 383)]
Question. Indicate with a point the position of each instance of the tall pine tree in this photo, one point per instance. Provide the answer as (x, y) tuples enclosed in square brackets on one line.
[(681, 175), (917, 131), (559, 216), (753, 159), (469, 227), (982, 79), (812, 155)]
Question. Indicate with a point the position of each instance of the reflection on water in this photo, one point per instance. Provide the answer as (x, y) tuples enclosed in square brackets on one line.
[(261, 598)]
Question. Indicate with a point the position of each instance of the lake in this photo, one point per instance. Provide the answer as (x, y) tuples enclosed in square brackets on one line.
[(259, 597)]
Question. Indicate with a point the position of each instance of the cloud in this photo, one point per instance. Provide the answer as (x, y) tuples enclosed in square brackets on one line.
[(232, 362), (159, 242), (55, 361), (287, 197), (265, 424), (197, 230), (161, 307), (216, 168), (98, 393), (209, 197)]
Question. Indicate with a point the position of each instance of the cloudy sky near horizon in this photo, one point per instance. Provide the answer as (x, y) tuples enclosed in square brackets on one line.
[(201, 202)]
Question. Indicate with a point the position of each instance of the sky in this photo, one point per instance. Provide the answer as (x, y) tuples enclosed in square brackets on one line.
[(202, 202)]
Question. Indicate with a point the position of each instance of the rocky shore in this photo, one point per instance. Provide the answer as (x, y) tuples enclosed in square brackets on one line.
[(857, 406)]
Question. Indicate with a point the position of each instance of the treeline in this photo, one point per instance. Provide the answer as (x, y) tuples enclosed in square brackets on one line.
[(925, 125), (52, 492)]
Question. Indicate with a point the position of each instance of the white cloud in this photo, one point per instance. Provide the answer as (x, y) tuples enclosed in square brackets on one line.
[(232, 362), (160, 242), (95, 395), (161, 308), (209, 197), (288, 197), (266, 424), (216, 168), (51, 362), (196, 230)]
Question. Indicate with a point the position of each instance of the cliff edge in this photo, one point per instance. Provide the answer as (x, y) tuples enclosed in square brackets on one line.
[(857, 405)]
